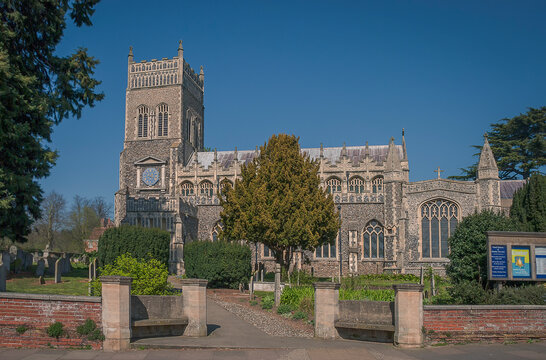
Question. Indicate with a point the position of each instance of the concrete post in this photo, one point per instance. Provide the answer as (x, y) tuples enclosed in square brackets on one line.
[(408, 315), (194, 298), (116, 312), (326, 309), (58, 271), (277, 284)]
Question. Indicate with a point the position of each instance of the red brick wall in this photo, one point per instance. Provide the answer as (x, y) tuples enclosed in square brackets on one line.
[(37, 312), (483, 322)]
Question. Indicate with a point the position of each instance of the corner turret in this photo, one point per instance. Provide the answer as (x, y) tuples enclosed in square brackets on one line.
[(488, 180)]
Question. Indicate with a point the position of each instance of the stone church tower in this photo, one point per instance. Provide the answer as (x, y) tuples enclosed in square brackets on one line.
[(164, 126)]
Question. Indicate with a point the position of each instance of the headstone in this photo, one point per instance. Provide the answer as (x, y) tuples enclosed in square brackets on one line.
[(58, 271), (65, 264), (13, 251), (50, 263), (2, 278), (6, 260), (262, 276), (41, 280), (40, 267), (46, 251), (29, 259)]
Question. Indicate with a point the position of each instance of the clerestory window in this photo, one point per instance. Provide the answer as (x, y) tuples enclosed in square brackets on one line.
[(356, 185), (205, 188), (377, 184), (187, 189), (142, 121), (333, 185)]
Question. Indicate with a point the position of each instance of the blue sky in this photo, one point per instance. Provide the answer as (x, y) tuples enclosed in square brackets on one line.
[(327, 71)]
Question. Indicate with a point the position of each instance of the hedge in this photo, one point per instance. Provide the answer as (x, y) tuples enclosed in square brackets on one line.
[(138, 241), (223, 264)]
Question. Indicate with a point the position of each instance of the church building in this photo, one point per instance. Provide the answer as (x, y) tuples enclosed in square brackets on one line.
[(389, 224)]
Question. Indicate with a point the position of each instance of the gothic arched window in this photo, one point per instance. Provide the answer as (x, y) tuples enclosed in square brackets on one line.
[(186, 188), (439, 218), (356, 185), (142, 121), (377, 184), (373, 240), (163, 120), (333, 185), (205, 188), (216, 232)]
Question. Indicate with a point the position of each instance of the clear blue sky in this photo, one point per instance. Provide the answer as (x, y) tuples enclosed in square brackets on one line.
[(327, 71)]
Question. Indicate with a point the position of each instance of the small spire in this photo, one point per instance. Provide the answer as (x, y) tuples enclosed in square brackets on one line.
[(487, 166), (215, 155), (236, 154), (130, 57), (404, 152), (392, 162), (321, 151), (180, 50), (201, 74), (344, 150), (367, 150)]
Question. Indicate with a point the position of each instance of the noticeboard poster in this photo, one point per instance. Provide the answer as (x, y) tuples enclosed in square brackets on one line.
[(521, 266), (499, 262), (540, 259)]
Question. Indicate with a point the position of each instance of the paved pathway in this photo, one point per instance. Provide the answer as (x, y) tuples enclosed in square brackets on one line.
[(232, 338)]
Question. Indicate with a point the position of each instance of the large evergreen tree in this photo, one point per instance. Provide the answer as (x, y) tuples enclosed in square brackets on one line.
[(279, 202), (519, 146), (529, 204), (38, 89)]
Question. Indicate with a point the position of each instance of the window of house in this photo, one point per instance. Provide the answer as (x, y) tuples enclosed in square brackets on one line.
[(326, 251), (356, 185), (142, 121), (439, 218), (187, 189), (333, 185), (377, 184), (205, 188), (373, 242)]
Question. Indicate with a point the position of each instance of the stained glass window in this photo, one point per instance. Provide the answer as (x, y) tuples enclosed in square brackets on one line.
[(142, 121), (326, 250), (377, 184), (356, 185), (187, 189), (205, 188), (439, 218), (333, 185), (373, 240)]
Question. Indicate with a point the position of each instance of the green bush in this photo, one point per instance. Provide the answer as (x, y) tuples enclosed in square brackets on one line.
[(55, 330), (523, 295), (293, 296), (365, 294), (284, 309), (468, 247), (472, 293), (298, 315), (87, 327), (223, 264), (138, 241), (267, 302), (21, 329), (149, 276), (468, 293)]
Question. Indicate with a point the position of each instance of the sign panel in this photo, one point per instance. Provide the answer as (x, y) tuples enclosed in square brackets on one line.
[(540, 259), (499, 262), (521, 267)]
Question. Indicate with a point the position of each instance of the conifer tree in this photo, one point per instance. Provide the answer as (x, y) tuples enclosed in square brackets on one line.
[(519, 146), (38, 89), (278, 201), (529, 204)]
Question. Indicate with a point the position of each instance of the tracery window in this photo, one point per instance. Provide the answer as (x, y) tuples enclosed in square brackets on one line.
[(439, 218), (373, 240), (356, 185), (216, 232), (333, 185), (326, 250), (377, 184), (205, 188), (163, 120), (142, 121), (187, 189)]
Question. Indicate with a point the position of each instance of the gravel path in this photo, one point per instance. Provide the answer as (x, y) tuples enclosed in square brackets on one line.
[(265, 322)]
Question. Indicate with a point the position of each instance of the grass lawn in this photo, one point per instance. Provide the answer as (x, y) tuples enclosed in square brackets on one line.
[(73, 283)]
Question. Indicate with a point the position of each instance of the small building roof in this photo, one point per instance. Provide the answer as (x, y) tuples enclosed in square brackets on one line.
[(509, 187)]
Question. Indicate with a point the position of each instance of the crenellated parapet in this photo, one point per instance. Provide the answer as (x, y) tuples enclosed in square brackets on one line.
[(154, 73)]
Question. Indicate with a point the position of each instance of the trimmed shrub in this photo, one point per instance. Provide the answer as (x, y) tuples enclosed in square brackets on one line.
[(223, 264), (267, 302), (149, 277), (55, 330), (140, 242)]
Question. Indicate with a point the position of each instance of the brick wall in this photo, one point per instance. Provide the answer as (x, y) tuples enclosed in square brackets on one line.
[(37, 312), (469, 322)]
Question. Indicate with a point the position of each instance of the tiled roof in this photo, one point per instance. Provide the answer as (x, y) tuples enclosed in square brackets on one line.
[(509, 187), (378, 153)]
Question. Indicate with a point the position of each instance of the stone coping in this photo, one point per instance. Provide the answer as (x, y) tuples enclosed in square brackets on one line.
[(408, 287), (116, 279), (75, 298), (326, 285), (484, 307), (194, 282)]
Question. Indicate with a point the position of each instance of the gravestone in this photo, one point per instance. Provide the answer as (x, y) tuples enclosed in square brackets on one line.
[(65, 264), (58, 271), (2, 278), (13, 251), (29, 259), (6, 260), (41, 280), (50, 263), (40, 268), (94, 268)]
